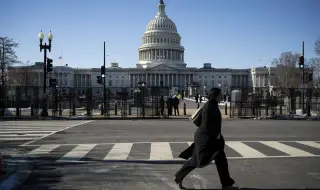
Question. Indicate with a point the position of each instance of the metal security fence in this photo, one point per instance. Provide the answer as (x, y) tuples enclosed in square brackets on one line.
[(246, 102), (27, 102)]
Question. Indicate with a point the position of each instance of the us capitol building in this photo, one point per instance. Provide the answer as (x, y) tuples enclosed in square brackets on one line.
[(161, 63)]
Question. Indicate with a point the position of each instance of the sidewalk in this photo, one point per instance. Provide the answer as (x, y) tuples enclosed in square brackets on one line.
[(204, 101), (16, 168)]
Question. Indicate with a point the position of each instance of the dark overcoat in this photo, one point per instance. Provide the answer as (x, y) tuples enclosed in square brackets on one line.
[(206, 143)]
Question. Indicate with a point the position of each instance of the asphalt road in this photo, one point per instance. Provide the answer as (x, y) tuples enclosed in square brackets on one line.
[(142, 154)]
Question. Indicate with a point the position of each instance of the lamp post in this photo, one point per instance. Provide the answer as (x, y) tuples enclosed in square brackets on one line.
[(45, 47)]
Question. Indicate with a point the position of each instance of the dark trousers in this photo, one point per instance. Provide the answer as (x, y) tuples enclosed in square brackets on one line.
[(176, 110), (221, 164)]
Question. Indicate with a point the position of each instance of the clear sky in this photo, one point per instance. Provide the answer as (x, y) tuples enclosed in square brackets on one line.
[(226, 33)]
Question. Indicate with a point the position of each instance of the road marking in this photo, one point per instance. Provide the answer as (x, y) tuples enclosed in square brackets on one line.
[(19, 132), (244, 150), (57, 132), (44, 149), (161, 151), (31, 127), (286, 149), (119, 152), (77, 153), (146, 142), (310, 143), (21, 135), (17, 139)]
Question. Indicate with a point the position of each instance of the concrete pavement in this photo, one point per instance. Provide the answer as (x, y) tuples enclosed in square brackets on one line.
[(251, 174), (142, 154)]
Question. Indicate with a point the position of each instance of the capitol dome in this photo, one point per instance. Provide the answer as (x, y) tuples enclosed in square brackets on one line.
[(161, 42)]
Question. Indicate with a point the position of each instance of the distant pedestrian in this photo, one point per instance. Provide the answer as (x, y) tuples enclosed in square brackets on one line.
[(161, 106), (197, 98), (208, 143), (169, 106), (176, 105)]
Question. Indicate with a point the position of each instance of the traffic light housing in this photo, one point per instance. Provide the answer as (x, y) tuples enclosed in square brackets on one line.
[(49, 65), (103, 71), (52, 83), (308, 77), (301, 62), (99, 79)]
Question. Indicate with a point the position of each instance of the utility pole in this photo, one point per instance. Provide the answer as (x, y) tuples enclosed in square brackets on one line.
[(104, 80)]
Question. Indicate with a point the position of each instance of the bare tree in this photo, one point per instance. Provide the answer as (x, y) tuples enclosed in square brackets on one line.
[(7, 56), (314, 64), (21, 75), (317, 46), (287, 74)]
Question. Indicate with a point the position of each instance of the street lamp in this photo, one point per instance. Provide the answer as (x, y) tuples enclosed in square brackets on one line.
[(45, 47)]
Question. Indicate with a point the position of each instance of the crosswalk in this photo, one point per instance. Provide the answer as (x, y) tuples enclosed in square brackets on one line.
[(168, 151), (28, 130)]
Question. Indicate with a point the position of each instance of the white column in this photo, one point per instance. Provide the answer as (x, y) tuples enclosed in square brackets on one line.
[(185, 79), (172, 79)]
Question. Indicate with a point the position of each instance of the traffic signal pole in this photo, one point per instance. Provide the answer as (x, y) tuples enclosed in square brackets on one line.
[(44, 112), (104, 80), (303, 111)]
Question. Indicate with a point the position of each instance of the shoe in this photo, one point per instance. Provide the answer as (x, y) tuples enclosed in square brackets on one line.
[(229, 183), (179, 183)]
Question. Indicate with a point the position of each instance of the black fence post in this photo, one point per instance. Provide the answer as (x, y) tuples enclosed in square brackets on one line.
[(116, 108), (60, 108), (89, 101), (226, 109), (292, 101), (309, 96), (18, 97)]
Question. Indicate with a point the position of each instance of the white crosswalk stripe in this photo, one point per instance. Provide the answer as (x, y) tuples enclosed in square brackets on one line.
[(159, 151), (119, 151), (28, 131), (244, 150)]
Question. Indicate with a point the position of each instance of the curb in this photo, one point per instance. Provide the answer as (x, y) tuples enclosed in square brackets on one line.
[(18, 176)]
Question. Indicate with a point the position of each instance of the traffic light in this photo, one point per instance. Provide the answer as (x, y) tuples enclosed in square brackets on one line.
[(99, 79), (52, 83), (49, 65), (103, 71), (308, 77), (301, 62)]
